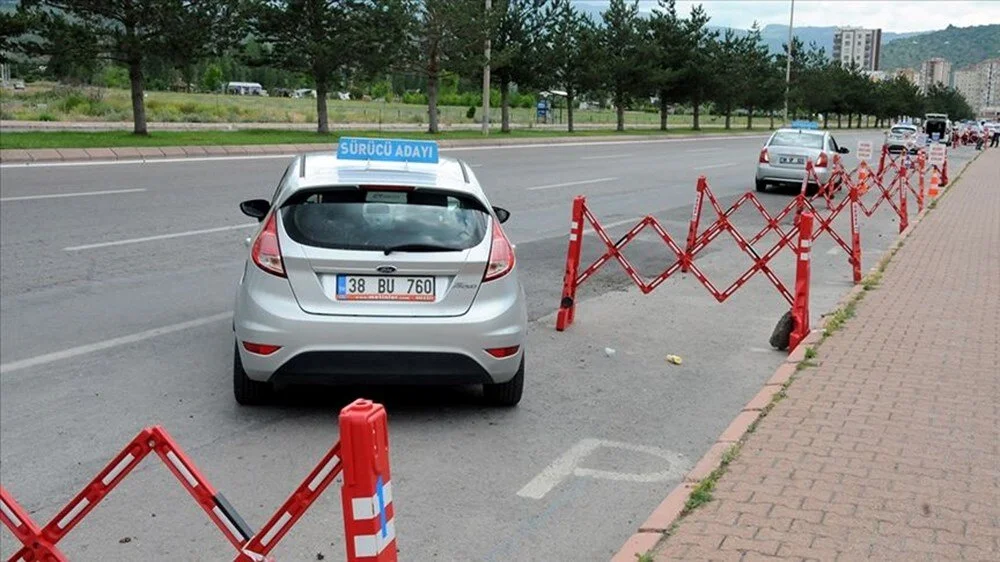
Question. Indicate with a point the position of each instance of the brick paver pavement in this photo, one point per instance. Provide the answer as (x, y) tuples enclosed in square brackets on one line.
[(890, 449)]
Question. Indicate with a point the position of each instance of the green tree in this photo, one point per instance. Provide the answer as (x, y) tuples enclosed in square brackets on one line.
[(698, 74), (443, 36), (570, 50), (624, 68), (666, 43), (516, 42), (730, 57), (211, 79), (132, 33), (332, 41), (763, 83), (942, 99)]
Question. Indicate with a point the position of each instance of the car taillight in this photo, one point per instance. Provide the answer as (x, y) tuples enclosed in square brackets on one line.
[(260, 348), (266, 252), (764, 157), (501, 255), (502, 352), (821, 161)]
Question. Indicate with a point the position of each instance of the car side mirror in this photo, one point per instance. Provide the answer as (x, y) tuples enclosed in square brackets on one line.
[(256, 208), (502, 214), (844, 150)]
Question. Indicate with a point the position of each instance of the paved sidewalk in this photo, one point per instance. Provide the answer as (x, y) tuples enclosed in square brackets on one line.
[(890, 448)]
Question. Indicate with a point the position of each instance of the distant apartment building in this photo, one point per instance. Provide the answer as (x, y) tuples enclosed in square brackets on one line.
[(912, 75), (979, 84), (935, 71), (855, 45)]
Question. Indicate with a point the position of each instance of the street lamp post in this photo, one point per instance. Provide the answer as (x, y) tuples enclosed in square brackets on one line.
[(486, 78), (788, 63)]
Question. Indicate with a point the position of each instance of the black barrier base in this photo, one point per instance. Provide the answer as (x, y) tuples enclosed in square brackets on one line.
[(782, 332)]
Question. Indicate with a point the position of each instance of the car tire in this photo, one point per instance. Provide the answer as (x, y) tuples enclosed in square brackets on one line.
[(761, 185), (506, 394), (247, 391)]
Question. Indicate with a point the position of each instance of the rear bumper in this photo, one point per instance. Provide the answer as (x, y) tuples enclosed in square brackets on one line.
[(326, 349), (380, 368), (775, 174)]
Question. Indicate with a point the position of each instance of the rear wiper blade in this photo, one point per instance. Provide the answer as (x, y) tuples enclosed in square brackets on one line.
[(419, 248)]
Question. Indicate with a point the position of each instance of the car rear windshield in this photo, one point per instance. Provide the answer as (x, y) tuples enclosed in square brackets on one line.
[(903, 130), (800, 140), (359, 218)]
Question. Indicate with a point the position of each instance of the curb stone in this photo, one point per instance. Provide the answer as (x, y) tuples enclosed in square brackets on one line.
[(672, 509), (27, 156)]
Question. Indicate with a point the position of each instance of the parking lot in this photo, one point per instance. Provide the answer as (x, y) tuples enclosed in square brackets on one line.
[(117, 285)]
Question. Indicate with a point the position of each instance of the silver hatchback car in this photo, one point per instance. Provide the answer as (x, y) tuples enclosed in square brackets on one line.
[(380, 264), (782, 161)]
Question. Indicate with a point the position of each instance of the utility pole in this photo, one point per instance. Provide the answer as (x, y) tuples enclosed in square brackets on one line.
[(788, 64), (486, 73)]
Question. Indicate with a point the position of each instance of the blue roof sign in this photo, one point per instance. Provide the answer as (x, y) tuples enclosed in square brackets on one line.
[(805, 125), (388, 150)]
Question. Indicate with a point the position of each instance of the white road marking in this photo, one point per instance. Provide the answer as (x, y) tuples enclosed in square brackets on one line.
[(604, 157), (714, 166), (108, 344), (475, 165), (450, 149), (632, 221), (157, 237), (569, 183), (569, 465), (62, 195), (834, 251), (704, 150)]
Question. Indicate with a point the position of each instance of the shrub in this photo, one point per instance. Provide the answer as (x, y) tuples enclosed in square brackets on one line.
[(471, 113), (46, 117)]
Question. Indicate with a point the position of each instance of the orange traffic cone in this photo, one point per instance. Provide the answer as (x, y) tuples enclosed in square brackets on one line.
[(863, 180), (935, 182)]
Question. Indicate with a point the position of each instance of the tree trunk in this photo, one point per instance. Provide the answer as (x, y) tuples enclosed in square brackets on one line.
[(772, 120), (138, 100), (504, 105), (620, 112), (569, 109), (840, 124), (696, 113), (729, 116), (663, 110), (750, 118), (322, 115), (826, 119), (432, 103)]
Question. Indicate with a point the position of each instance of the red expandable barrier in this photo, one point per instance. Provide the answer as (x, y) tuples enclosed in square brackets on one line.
[(367, 490), (800, 307), (366, 454)]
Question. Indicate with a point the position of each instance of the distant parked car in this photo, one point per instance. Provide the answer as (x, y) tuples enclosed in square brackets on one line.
[(783, 158), (902, 138)]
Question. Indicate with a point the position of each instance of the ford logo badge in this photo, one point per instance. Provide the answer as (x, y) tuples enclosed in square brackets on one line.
[(386, 269)]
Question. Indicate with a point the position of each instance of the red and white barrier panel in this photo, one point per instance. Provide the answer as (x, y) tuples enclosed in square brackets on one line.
[(363, 460)]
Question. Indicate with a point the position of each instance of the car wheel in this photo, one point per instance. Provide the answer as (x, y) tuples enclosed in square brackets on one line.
[(506, 394), (247, 391), (761, 185)]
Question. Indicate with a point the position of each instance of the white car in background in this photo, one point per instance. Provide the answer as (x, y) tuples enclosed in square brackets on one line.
[(902, 138)]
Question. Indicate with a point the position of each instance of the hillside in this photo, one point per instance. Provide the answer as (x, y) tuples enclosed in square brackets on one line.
[(960, 45)]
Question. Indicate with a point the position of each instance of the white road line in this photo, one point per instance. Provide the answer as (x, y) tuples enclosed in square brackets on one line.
[(714, 166), (107, 344), (158, 237), (569, 183), (569, 465), (604, 157), (62, 195), (704, 150), (141, 161)]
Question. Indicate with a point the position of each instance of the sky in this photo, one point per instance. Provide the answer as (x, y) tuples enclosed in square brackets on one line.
[(889, 15)]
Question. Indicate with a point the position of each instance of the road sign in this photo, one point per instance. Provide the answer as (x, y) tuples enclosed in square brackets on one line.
[(937, 155), (864, 150), (805, 125), (387, 150), (542, 108)]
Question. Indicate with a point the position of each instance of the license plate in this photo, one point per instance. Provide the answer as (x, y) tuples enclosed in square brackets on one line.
[(385, 288), (790, 160)]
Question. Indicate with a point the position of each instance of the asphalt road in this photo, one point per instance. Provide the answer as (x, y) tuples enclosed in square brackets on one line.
[(116, 282)]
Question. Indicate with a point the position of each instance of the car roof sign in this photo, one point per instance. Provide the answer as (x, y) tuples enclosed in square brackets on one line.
[(387, 150), (804, 125)]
